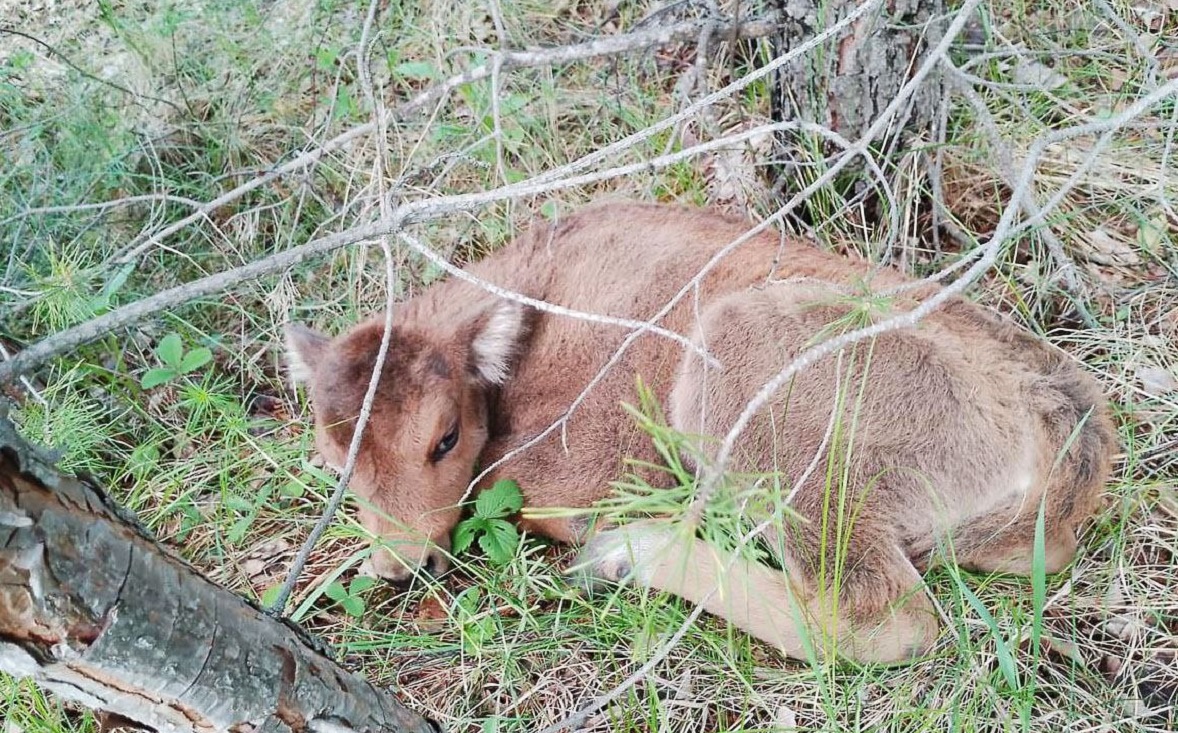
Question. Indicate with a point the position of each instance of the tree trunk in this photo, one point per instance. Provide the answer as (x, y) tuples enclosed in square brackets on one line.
[(94, 610), (847, 82)]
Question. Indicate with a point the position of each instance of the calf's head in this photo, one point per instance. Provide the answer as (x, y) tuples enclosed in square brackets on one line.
[(428, 423)]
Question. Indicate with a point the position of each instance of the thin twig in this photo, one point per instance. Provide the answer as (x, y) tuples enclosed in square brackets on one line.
[(337, 496), (136, 248), (559, 310), (92, 77), (33, 392), (102, 206), (1007, 171), (612, 46), (597, 48)]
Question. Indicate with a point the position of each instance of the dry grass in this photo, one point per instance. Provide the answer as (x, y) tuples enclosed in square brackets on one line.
[(217, 461)]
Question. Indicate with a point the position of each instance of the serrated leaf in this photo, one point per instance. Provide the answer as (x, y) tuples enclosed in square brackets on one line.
[(465, 532), (499, 541), (237, 532), (170, 350), (468, 601), (195, 359), (500, 500), (156, 377)]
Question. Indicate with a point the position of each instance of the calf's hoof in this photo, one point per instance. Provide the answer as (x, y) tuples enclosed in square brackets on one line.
[(624, 555)]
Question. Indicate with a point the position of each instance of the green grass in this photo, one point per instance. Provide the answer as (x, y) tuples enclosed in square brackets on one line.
[(217, 459)]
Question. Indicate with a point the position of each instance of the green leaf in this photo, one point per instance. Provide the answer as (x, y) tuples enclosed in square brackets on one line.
[(1001, 648), (170, 350), (237, 531), (195, 359), (353, 606), (115, 284), (416, 70), (465, 532), (360, 584), (468, 600), (1038, 579), (500, 500), (325, 478), (292, 490), (270, 595), (335, 591), (325, 58), (237, 503), (1150, 234), (499, 541), (156, 377)]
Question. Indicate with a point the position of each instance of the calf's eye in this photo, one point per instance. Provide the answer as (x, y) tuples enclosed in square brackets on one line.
[(445, 445)]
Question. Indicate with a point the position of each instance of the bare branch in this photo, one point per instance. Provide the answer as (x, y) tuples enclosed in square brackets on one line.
[(611, 46), (1002, 233), (345, 477), (413, 212), (103, 206), (559, 310), (598, 48)]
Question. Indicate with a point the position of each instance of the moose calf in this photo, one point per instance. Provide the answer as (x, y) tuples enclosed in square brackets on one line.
[(950, 434)]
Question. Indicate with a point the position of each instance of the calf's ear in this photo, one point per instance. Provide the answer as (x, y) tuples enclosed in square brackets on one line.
[(305, 348), (497, 334)]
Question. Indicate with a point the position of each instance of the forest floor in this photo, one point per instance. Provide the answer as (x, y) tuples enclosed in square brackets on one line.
[(190, 418)]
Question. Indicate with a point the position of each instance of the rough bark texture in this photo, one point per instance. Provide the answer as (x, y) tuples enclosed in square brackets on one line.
[(94, 610), (848, 82)]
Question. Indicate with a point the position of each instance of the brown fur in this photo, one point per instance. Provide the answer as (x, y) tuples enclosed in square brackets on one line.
[(952, 432)]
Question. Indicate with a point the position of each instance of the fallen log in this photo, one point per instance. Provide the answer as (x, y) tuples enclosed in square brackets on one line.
[(97, 612)]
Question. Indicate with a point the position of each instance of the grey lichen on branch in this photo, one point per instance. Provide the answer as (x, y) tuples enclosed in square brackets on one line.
[(95, 611)]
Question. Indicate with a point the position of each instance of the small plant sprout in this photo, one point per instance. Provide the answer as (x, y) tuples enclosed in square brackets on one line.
[(174, 361), (489, 524), (349, 597)]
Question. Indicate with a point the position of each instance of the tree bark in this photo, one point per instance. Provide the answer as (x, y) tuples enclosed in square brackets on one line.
[(97, 612), (846, 83)]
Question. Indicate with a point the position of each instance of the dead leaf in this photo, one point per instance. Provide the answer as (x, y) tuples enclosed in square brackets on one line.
[(431, 614), (1124, 628), (1151, 233), (1063, 647), (1105, 249), (1156, 381), (785, 720), (263, 561), (733, 173), (1037, 74)]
